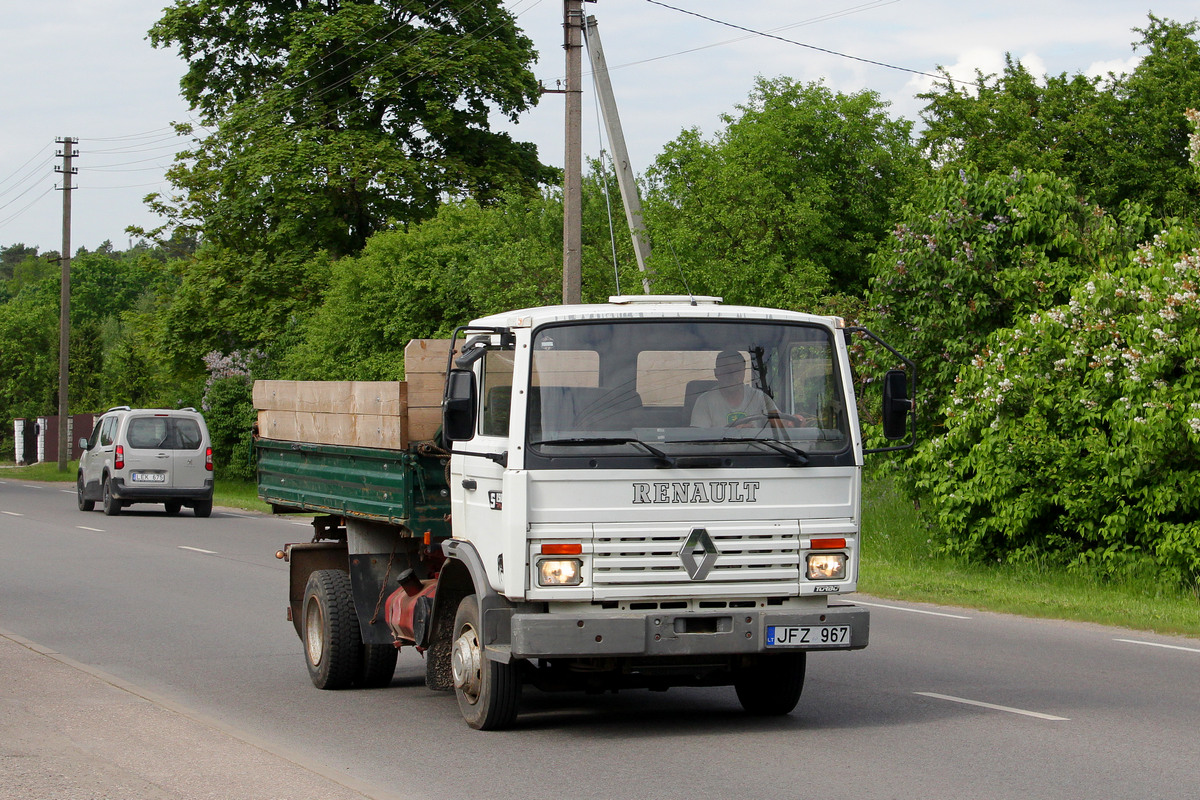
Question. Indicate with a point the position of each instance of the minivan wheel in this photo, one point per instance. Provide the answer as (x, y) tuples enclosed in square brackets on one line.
[(202, 506), (112, 506), (84, 504), (173, 506)]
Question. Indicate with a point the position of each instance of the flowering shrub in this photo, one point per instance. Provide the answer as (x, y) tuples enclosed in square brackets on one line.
[(229, 411), (974, 254), (1077, 431)]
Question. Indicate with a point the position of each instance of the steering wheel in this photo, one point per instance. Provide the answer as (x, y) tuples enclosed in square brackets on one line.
[(775, 419)]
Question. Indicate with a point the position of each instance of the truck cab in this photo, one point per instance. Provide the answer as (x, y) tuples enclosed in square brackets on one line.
[(651, 492)]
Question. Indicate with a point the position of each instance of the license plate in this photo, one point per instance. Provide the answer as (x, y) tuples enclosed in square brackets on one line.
[(807, 635), (148, 477)]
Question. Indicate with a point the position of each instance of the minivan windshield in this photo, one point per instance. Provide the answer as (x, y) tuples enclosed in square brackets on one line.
[(686, 392)]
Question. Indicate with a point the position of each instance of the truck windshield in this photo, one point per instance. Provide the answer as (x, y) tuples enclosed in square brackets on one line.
[(696, 391)]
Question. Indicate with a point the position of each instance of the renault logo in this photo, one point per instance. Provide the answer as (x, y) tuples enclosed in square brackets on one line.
[(698, 543)]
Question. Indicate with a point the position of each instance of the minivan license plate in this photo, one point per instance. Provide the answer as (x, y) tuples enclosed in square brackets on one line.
[(807, 635), (148, 477)]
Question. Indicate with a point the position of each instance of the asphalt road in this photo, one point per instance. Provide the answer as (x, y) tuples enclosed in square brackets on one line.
[(945, 703)]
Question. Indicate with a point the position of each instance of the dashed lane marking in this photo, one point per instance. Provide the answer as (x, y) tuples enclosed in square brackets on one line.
[(910, 610), (1159, 644), (994, 707)]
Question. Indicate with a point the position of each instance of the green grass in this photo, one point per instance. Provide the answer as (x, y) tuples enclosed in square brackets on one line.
[(900, 562)]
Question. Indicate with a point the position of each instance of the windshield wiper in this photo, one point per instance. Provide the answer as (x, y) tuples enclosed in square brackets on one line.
[(793, 453), (601, 440)]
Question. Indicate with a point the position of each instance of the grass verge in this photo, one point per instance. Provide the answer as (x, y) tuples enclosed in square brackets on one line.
[(899, 562)]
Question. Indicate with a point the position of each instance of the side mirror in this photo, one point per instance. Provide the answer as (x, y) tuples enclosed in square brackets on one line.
[(83, 443), (458, 406), (896, 404)]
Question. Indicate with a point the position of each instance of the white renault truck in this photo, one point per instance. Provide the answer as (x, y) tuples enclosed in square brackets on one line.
[(652, 492)]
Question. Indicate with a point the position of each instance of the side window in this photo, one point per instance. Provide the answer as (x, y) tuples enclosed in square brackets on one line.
[(497, 393), (108, 431), (94, 439)]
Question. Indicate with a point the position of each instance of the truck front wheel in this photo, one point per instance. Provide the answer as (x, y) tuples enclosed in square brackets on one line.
[(770, 686), (333, 645), (488, 692)]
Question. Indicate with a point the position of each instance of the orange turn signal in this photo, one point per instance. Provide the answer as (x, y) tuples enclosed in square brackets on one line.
[(562, 549), (828, 544)]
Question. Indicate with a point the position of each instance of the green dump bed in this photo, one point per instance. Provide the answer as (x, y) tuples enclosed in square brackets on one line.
[(398, 487)]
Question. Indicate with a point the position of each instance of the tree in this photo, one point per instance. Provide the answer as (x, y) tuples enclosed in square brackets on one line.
[(1117, 139), (324, 122), (971, 254), (784, 205)]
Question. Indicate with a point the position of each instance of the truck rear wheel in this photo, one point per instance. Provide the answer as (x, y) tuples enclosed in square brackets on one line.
[(333, 647), (771, 686), (378, 666), (488, 692)]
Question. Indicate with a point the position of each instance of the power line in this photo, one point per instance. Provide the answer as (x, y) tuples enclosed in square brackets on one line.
[(764, 34)]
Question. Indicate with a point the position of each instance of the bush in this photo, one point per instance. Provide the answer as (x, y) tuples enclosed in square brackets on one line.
[(973, 254), (1076, 433), (229, 411)]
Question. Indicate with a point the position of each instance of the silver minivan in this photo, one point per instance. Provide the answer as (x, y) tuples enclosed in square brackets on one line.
[(147, 455)]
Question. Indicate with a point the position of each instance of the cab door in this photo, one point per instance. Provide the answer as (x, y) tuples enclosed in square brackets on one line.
[(479, 464)]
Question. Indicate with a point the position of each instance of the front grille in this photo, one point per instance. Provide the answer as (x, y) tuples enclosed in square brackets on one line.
[(762, 554)]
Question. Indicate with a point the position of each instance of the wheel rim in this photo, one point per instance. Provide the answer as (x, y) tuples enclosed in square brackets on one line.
[(314, 641), (465, 663)]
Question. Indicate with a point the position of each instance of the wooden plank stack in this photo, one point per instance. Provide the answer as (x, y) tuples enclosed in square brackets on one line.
[(379, 414)]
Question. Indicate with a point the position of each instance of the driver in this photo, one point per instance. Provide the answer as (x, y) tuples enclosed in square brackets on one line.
[(733, 399)]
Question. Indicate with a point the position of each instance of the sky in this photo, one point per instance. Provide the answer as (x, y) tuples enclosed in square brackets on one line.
[(84, 69)]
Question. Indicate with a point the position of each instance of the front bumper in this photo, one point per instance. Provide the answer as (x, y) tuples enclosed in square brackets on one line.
[(659, 633)]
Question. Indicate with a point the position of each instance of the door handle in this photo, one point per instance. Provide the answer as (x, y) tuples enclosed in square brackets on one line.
[(469, 484)]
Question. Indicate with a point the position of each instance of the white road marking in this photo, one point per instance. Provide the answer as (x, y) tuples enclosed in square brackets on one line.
[(86, 528), (33, 486), (910, 610), (197, 550), (303, 524), (994, 707), (12, 513), (1156, 644)]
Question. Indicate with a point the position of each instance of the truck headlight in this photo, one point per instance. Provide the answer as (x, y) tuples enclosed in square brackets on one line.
[(827, 566), (560, 572)]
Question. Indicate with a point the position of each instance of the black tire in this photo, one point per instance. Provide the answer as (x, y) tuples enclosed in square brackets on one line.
[(202, 507), (771, 686), (173, 506), (332, 642), (488, 692), (83, 503), (112, 506), (378, 666)]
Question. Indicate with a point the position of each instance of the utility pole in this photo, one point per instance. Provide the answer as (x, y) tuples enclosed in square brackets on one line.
[(573, 163), (64, 314), (616, 138)]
